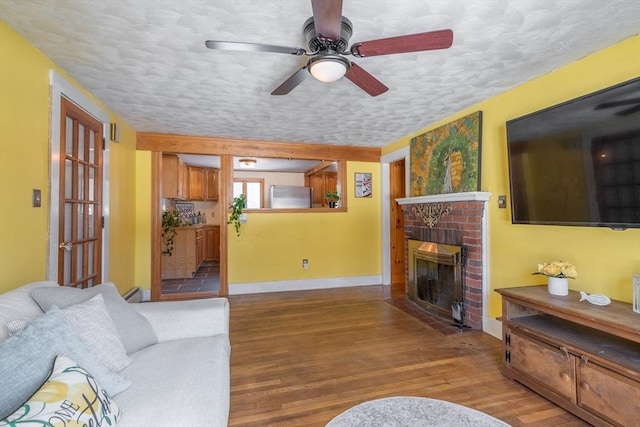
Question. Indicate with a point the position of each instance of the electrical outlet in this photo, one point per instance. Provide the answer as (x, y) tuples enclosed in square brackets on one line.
[(502, 202), (305, 263)]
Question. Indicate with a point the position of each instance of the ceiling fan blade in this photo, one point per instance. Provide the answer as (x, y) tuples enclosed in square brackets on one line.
[(293, 81), (628, 111), (441, 39), (365, 81), (617, 103), (327, 18), (253, 47)]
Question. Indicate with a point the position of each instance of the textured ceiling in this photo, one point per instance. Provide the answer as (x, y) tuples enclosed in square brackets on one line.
[(147, 62)]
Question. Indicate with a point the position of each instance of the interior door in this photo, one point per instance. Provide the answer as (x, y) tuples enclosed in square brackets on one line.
[(397, 190), (80, 221)]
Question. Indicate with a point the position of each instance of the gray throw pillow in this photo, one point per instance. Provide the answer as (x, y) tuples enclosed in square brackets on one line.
[(134, 330), (94, 326), (26, 359)]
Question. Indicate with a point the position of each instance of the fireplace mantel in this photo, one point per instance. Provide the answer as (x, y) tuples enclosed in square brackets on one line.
[(449, 197)]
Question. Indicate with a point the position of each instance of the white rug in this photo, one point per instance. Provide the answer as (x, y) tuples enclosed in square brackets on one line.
[(413, 412)]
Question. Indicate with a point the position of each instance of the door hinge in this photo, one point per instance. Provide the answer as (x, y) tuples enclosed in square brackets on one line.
[(507, 339), (507, 356), (102, 222)]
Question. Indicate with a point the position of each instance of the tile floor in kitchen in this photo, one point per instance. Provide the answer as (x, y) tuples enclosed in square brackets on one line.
[(206, 279)]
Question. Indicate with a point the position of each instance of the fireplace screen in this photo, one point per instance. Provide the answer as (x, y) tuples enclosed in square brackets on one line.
[(437, 278)]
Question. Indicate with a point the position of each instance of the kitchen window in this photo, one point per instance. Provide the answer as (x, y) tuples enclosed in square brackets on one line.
[(253, 188)]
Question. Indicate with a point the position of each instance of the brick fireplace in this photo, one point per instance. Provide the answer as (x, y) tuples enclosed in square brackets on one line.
[(458, 219)]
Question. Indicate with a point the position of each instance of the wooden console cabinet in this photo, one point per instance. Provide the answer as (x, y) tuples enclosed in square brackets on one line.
[(583, 357)]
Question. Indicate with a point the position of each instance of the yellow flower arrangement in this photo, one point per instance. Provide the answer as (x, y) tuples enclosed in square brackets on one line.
[(557, 269)]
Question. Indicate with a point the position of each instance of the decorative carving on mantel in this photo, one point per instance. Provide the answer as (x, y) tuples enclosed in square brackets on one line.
[(431, 213)]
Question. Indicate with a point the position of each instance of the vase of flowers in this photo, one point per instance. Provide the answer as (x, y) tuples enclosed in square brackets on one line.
[(558, 274)]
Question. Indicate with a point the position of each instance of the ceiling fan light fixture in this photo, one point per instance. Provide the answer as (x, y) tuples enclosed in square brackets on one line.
[(328, 68), (247, 163)]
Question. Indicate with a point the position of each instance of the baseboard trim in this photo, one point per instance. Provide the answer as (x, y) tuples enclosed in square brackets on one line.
[(492, 327), (302, 285)]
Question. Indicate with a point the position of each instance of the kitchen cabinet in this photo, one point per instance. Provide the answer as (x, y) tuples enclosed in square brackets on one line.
[(196, 183), (174, 177), (321, 183), (212, 243), (211, 184), (584, 358), (203, 183), (187, 255)]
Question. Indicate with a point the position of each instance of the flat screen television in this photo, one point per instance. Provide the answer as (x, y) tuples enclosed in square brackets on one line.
[(578, 163)]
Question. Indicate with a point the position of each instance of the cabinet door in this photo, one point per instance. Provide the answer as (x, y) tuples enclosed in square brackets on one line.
[(331, 182), (316, 182), (196, 183), (212, 243), (548, 366), (608, 394), (211, 187), (173, 177)]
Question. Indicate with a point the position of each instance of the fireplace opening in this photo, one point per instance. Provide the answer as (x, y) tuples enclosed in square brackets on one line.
[(437, 279)]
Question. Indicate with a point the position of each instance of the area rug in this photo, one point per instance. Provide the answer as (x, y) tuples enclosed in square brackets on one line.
[(404, 411)]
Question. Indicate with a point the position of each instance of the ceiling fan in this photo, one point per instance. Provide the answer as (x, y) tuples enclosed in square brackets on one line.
[(634, 102), (328, 33)]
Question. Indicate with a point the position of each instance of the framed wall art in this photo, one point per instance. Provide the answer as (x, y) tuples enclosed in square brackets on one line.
[(447, 159), (363, 184)]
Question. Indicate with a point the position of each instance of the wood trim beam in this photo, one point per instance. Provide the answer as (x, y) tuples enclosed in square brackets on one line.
[(219, 146)]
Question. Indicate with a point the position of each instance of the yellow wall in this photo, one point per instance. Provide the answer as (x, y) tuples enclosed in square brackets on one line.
[(24, 140), (271, 246), (143, 219), (605, 259)]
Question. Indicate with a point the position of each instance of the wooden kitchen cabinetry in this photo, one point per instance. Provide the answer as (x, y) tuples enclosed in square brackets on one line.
[(583, 357), (203, 183), (174, 177), (196, 183), (187, 255), (211, 184), (212, 243), (321, 183)]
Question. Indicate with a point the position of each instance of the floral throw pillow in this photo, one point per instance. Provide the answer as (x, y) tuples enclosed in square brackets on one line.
[(69, 397)]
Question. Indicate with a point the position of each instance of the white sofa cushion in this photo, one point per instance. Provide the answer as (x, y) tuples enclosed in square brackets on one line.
[(18, 304), (172, 320), (70, 396), (178, 383), (28, 356), (134, 330)]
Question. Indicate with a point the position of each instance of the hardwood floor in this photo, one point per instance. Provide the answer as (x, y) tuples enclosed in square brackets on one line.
[(301, 358)]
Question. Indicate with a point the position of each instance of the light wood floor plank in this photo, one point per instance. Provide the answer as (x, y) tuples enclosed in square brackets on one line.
[(301, 358)]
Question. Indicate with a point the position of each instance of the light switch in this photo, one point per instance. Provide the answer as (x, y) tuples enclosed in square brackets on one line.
[(502, 201), (37, 198)]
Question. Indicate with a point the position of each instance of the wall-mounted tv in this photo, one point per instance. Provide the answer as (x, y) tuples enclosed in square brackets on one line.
[(578, 163)]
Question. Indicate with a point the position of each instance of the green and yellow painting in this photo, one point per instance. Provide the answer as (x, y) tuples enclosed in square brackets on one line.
[(447, 159)]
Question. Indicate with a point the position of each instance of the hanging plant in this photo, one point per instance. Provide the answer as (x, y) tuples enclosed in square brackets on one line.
[(170, 220), (236, 207)]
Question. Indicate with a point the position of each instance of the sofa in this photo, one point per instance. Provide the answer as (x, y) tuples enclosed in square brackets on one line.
[(149, 363)]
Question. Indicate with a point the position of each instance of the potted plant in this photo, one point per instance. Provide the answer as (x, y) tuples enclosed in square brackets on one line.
[(170, 220), (558, 273), (236, 207), (332, 198)]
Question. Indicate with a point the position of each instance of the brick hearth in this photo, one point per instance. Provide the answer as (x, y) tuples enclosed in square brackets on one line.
[(464, 225)]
